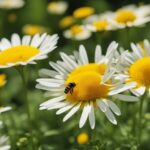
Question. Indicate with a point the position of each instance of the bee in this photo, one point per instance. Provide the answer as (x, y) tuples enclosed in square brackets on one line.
[(69, 88)]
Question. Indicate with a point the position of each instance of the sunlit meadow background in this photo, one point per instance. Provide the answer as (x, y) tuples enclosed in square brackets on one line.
[(50, 133)]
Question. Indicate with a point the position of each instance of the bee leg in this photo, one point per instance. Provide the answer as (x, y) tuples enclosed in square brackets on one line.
[(71, 91)]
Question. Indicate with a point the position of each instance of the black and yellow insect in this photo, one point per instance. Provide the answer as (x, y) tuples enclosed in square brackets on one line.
[(69, 88)]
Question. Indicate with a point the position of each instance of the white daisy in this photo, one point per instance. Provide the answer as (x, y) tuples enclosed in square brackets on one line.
[(135, 67), (97, 23), (26, 50), (78, 84), (57, 7), (10, 4), (77, 32), (131, 15)]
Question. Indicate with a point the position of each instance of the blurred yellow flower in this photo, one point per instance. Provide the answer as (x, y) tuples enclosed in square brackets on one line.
[(58, 7), (83, 12), (34, 29), (130, 15), (82, 138), (76, 29), (2, 80), (77, 32), (66, 21), (125, 16), (101, 25), (97, 23)]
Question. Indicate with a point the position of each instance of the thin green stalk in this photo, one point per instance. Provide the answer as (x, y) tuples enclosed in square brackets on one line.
[(127, 37), (2, 19), (22, 73), (99, 37), (141, 116)]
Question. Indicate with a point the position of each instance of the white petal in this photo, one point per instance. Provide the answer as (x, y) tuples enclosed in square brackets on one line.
[(26, 40), (53, 94), (108, 75), (72, 112), (136, 51), (64, 109), (83, 55), (111, 48), (114, 107), (102, 105), (68, 60), (53, 100), (138, 91), (122, 88), (98, 53), (56, 106), (15, 39), (92, 117), (110, 116), (147, 46), (35, 40), (6, 42), (127, 98), (85, 114), (58, 68), (47, 73), (4, 109)]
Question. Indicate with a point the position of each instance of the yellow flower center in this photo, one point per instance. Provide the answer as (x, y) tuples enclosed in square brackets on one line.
[(140, 72), (87, 79), (76, 29), (125, 16), (17, 54), (67, 21), (83, 12), (100, 25), (82, 138), (2, 79)]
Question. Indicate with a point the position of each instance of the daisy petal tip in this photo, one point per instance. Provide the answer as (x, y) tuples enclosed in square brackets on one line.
[(64, 119), (93, 127), (114, 122)]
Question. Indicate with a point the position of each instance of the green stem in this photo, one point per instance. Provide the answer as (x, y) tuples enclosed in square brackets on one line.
[(2, 20), (141, 116), (127, 42), (22, 73)]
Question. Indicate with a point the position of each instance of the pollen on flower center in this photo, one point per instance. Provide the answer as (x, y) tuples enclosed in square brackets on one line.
[(100, 25), (76, 29), (17, 54), (140, 71), (87, 79), (125, 16)]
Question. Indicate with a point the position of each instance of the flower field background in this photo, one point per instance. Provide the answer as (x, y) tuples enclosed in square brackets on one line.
[(23, 125)]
